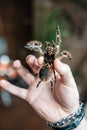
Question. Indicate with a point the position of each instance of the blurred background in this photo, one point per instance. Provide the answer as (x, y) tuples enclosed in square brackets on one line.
[(25, 20)]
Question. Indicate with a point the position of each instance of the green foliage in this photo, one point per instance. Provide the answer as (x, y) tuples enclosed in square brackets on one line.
[(49, 24), (47, 27)]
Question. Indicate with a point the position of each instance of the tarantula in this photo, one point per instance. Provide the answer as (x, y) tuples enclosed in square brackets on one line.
[(52, 51)]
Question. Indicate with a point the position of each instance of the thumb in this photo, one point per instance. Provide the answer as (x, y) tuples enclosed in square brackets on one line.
[(64, 71)]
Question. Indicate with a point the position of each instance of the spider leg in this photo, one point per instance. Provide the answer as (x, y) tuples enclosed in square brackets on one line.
[(38, 83), (48, 43), (52, 83), (54, 76), (65, 54), (57, 51), (58, 40), (51, 86), (35, 46), (36, 75)]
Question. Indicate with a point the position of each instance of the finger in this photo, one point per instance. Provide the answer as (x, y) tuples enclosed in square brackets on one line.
[(33, 63), (23, 72), (64, 71), (40, 60), (20, 92)]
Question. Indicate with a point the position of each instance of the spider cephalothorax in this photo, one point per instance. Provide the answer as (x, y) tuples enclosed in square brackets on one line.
[(52, 51)]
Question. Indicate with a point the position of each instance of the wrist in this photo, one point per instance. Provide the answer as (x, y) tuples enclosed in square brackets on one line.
[(71, 122), (83, 125), (59, 113)]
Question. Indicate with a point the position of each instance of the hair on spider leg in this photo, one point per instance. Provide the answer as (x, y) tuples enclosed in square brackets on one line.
[(65, 54)]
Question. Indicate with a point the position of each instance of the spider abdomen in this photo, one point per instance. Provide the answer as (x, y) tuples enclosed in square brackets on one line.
[(45, 73)]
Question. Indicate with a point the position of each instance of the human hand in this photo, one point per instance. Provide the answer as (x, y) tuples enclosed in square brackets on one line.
[(52, 106)]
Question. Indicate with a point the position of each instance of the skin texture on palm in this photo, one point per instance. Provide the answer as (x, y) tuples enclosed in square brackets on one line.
[(51, 106)]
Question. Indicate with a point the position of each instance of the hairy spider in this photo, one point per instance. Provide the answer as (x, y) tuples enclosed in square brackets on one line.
[(52, 51)]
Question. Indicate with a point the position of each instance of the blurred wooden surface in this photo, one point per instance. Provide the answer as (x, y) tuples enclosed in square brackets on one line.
[(20, 116)]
